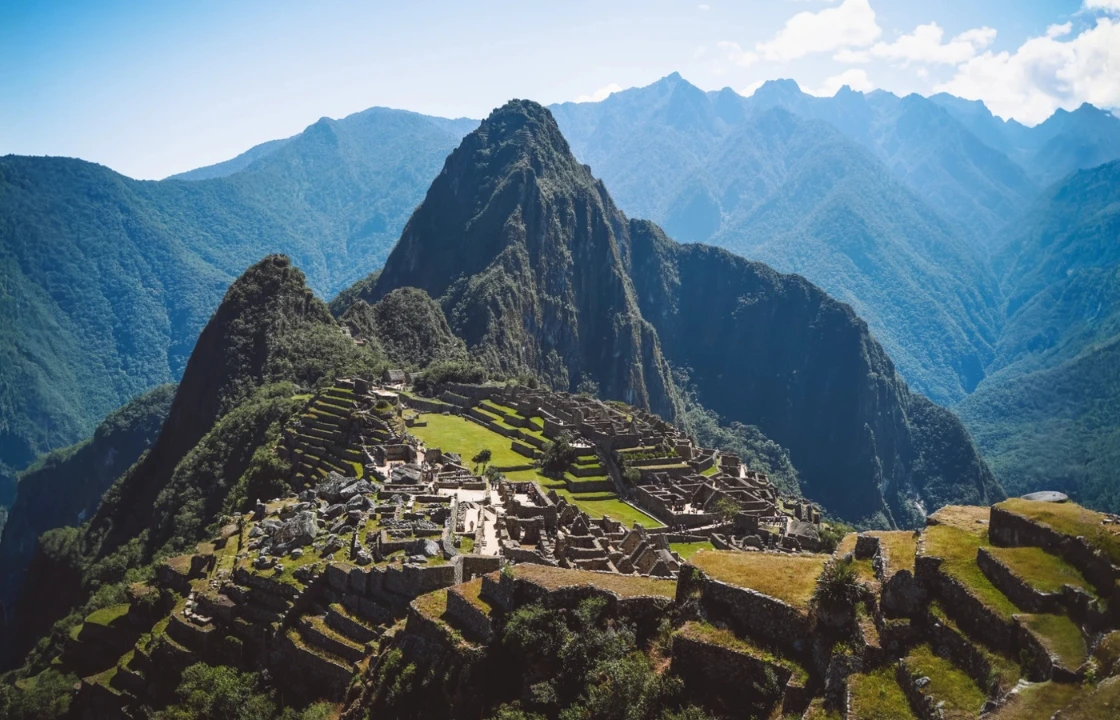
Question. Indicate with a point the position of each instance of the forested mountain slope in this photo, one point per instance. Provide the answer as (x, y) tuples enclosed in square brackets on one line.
[(105, 282)]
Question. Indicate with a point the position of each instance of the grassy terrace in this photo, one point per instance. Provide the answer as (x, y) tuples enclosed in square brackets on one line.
[(877, 696), (1007, 669), (598, 504), (1060, 637), (1101, 702), (947, 683), (472, 593), (553, 578), (1040, 569), (687, 550), (107, 615), (790, 578), (901, 547), (704, 632), (956, 541), (1037, 700), (1070, 519)]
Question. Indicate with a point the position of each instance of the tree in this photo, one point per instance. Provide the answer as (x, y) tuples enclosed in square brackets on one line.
[(632, 475), (726, 509), (482, 458), (558, 455)]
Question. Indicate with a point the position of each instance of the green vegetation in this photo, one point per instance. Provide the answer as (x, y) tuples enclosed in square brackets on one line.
[(1060, 636), (106, 616), (222, 693), (622, 585), (1040, 569), (1072, 520), (947, 683), (708, 633), (408, 326), (598, 504), (688, 549), (901, 548), (956, 544), (877, 696), (454, 433), (1038, 700), (790, 578)]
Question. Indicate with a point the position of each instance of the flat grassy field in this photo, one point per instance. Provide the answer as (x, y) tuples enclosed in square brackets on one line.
[(452, 433), (901, 546), (598, 504), (1038, 700), (790, 578), (554, 578)]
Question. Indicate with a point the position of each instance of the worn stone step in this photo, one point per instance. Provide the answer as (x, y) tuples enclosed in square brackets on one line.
[(315, 631), (349, 625)]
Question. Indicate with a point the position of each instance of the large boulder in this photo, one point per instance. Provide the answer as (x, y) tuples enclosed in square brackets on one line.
[(297, 531)]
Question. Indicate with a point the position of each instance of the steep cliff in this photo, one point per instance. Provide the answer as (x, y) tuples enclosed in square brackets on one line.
[(527, 254)]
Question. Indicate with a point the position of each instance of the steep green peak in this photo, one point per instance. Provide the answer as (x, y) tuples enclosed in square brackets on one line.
[(521, 126)]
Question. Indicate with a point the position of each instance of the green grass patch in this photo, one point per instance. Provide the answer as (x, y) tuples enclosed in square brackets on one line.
[(1096, 704), (790, 578), (710, 471), (107, 615), (1041, 570), (901, 547), (554, 578), (451, 433), (688, 549), (599, 504), (466, 545), (1037, 700), (947, 683), (878, 696), (957, 548), (1060, 636), (1072, 520)]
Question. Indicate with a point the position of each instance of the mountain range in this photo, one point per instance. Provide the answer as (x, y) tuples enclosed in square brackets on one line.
[(932, 219)]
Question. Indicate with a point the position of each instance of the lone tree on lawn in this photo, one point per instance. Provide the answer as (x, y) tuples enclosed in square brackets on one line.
[(482, 458)]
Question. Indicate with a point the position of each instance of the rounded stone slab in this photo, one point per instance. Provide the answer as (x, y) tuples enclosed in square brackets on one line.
[(1047, 496)]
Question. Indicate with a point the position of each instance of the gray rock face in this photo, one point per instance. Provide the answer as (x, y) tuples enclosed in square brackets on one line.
[(1047, 496), (363, 557), (429, 548), (334, 510), (300, 530)]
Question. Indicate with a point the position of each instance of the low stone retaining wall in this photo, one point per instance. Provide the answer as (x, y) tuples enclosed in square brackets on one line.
[(1007, 528), (750, 613), (1023, 595), (948, 643), (970, 613), (432, 406), (476, 624)]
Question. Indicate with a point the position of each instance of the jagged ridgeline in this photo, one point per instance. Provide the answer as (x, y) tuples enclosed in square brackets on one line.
[(537, 269), (270, 337)]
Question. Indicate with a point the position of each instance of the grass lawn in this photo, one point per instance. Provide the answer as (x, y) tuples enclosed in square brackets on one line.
[(1040, 569), (688, 549), (947, 683), (1060, 637), (1070, 519), (957, 547), (1037, 700), (451, 433), (865, 568), (790, 578), (877, 696)]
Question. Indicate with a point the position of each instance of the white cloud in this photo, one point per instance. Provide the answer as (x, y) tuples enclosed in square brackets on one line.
[(1054, 31), (850, 24), (855, 78), (601, 94), (924, 46), (1110, 6), (749, 90), (735, 54), (703, 7), (1045, 73)]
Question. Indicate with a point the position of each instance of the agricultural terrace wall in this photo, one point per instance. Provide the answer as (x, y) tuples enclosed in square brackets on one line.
[(1009, 529), (718, 675)]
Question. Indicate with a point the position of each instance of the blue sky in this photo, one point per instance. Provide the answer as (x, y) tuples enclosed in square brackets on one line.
[(154, 88)]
